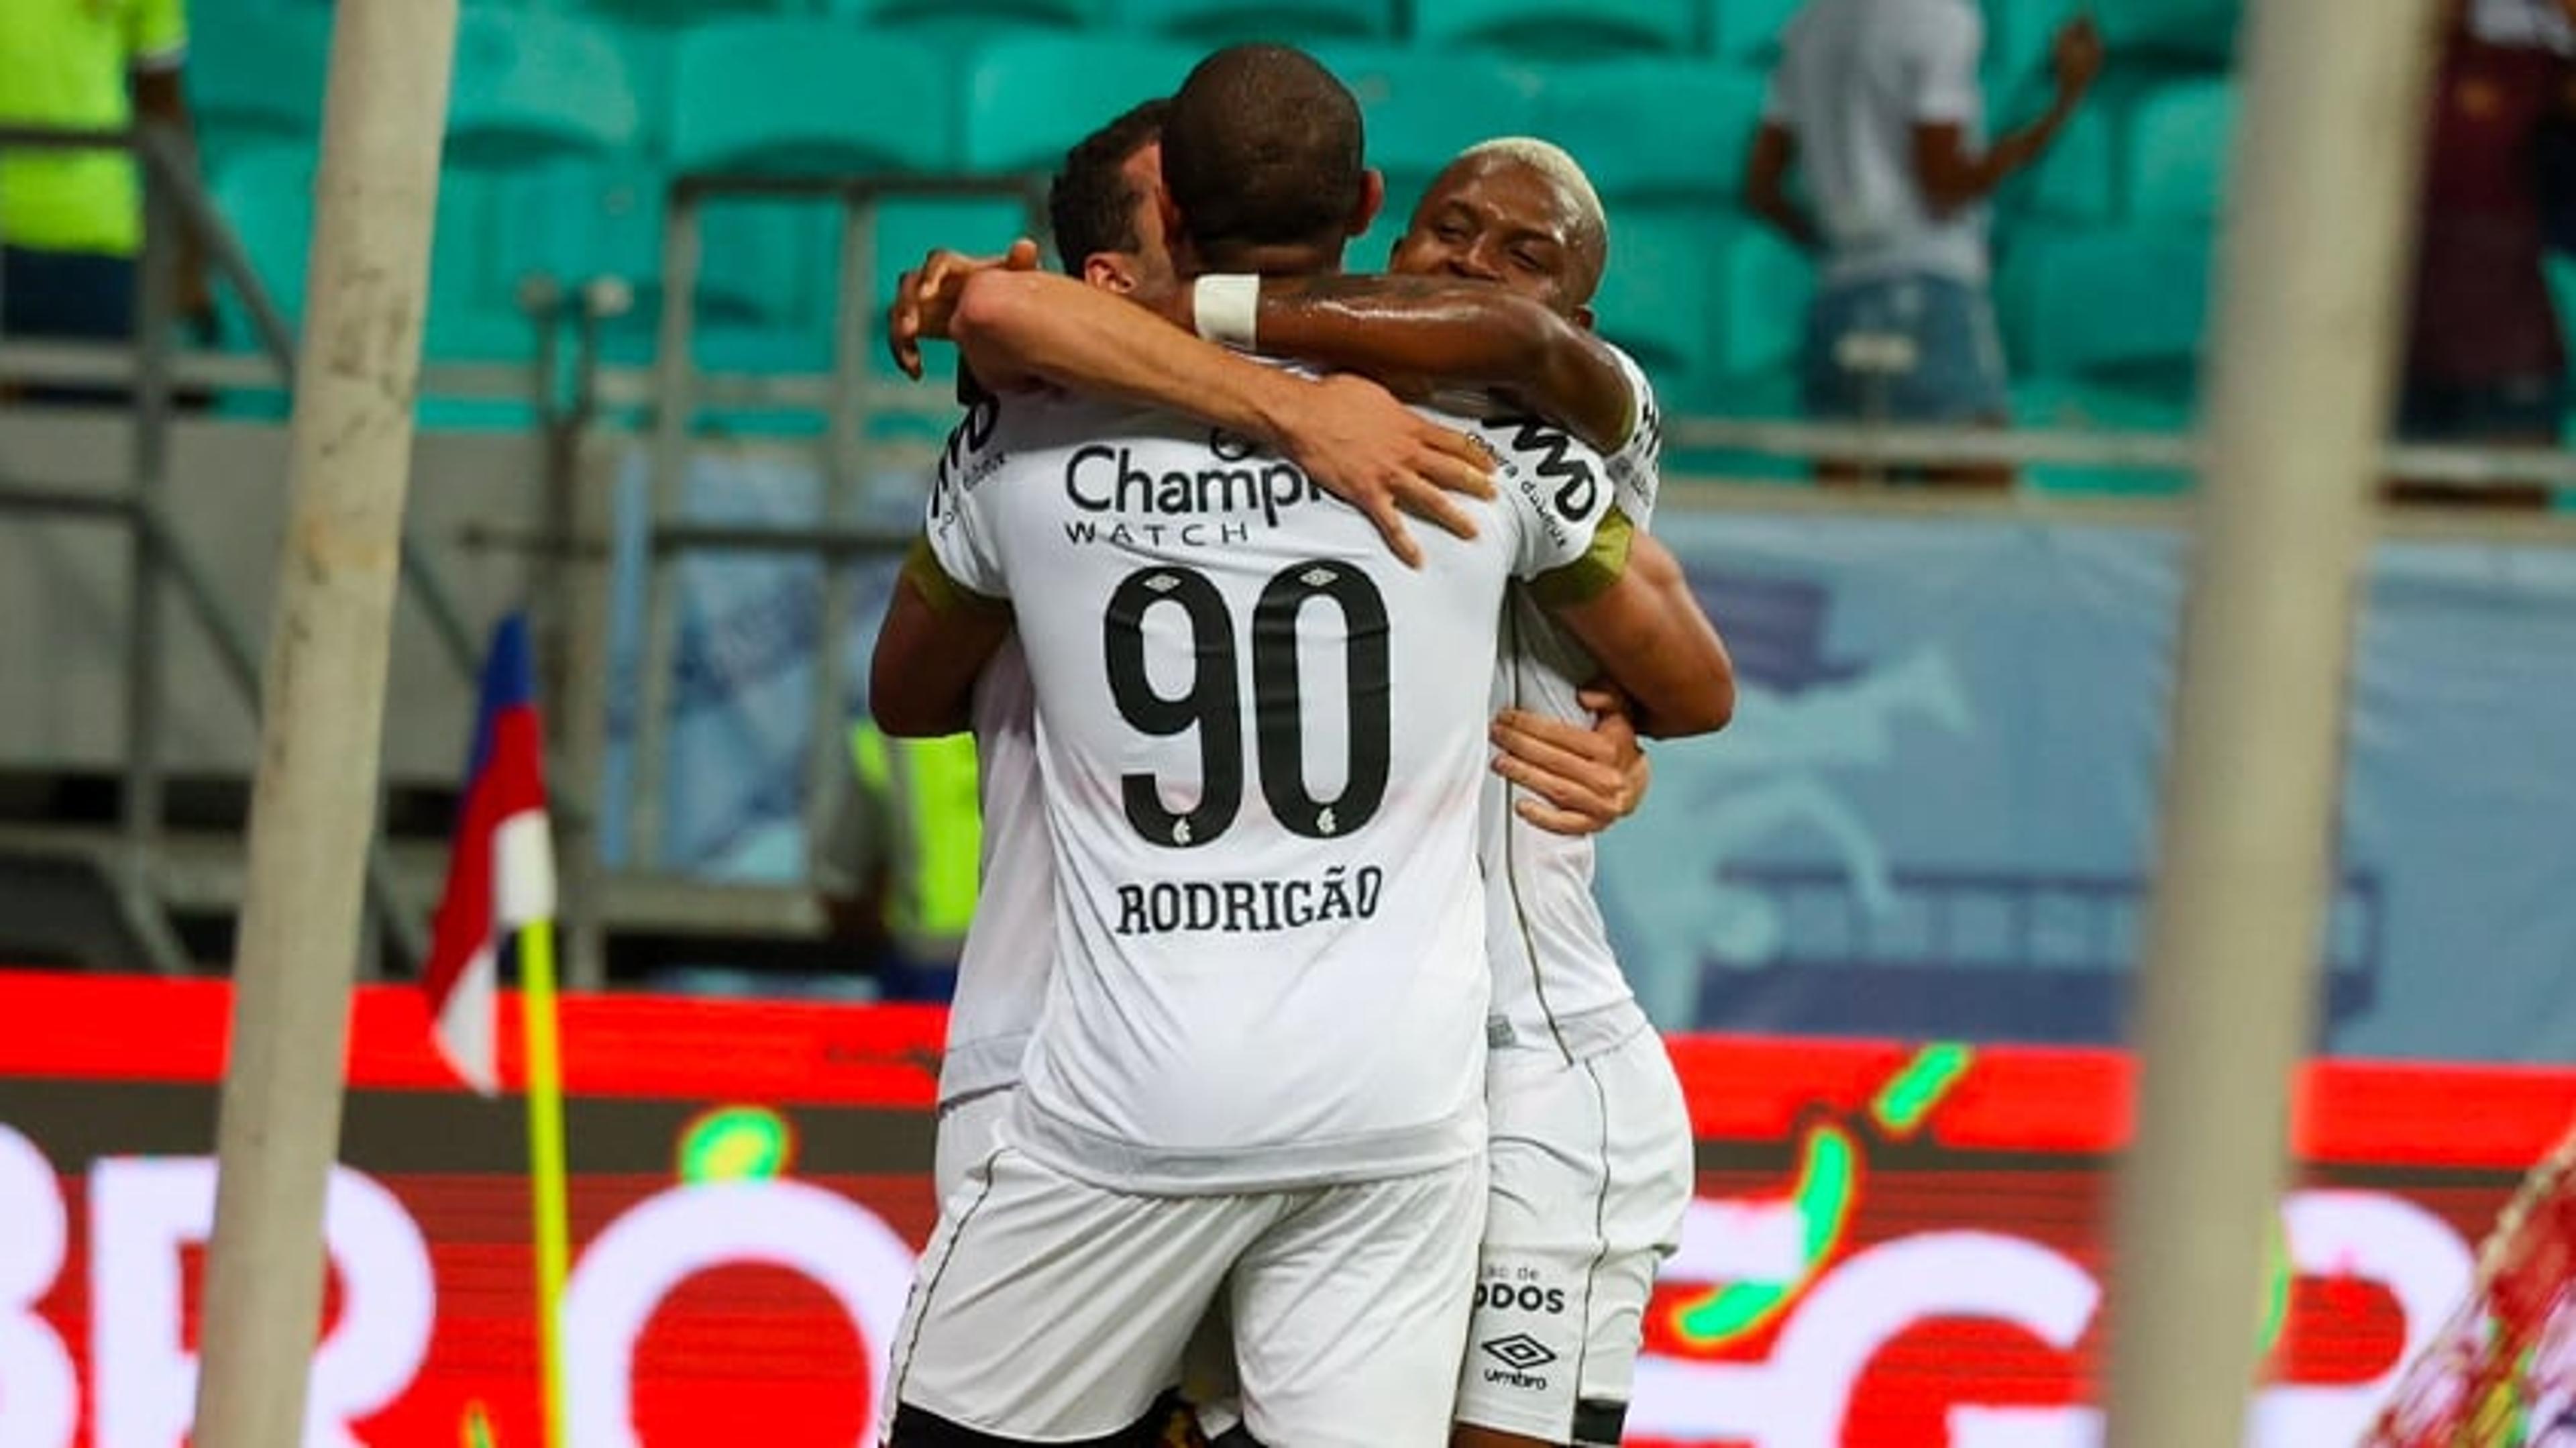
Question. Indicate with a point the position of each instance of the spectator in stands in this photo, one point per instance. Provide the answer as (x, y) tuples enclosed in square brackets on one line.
[(2485, 360), (897, 865), (71, 222), (1880, 101)]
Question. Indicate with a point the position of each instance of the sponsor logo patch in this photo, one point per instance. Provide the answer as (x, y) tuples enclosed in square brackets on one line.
[(1520, 1352)]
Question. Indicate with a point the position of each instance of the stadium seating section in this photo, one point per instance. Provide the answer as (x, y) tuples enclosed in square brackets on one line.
[(572, 117)]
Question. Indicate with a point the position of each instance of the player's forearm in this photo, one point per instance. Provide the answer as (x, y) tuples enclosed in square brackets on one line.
[(1030, 325), (1451, 331), (1650, 634)]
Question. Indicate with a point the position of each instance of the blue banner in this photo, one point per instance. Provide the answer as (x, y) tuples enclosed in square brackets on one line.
[(1934, 814)]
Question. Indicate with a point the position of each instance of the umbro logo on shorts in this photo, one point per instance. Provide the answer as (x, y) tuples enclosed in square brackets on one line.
[(1520, 1352)]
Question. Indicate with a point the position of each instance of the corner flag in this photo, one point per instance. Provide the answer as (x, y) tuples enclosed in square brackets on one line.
[(500, 869)]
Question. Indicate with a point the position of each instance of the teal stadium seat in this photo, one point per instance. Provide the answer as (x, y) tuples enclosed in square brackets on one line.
[(2060, 404), (679, 14), (2128, 308), (532, 85), (2076, 183), (2015, 67), (585, 221), (473, 317), (2179, 139), (1029, 98), (906, 229), (256, 80), (807, 96), (1748, 31), (1658, 300), (1422, 108), (1654, 128), (1218, 22), (2189, 33), (648, 53), (1764, 287), (974, 15), (1557, 28)]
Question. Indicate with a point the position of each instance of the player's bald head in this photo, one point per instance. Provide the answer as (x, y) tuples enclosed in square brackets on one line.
[(1264, 150)]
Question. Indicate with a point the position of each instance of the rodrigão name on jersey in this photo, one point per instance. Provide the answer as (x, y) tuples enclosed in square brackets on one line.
[(1234, 907)]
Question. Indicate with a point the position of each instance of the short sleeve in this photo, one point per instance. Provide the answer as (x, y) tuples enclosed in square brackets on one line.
[(959, 537), (157, 34), (1636, 468), (1942, 71), (1557, 489)]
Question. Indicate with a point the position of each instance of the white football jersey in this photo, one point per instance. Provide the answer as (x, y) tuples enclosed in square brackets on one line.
[(1556, 981), (1002, 969), (1263, 742)]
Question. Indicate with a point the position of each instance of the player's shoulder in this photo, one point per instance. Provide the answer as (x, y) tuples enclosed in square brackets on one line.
[(1644, 411), (1542, 467)]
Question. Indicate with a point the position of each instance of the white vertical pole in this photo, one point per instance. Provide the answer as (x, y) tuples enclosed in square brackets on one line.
[(2322, 194), (313, 809)]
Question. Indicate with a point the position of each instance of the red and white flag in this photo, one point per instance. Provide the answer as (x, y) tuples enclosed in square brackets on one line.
[(501, 865)]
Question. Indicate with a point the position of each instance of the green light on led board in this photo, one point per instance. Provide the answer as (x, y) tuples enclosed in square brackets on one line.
[(736, 1144), (1910, 1096), (1828, 1187)]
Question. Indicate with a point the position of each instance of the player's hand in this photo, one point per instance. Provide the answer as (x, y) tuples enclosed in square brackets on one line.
[(1583, 780), (1362, 446), (927, 297)]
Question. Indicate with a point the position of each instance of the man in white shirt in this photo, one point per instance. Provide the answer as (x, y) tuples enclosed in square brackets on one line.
[(1590, 1147), (1880, 102), (1259, 1069)]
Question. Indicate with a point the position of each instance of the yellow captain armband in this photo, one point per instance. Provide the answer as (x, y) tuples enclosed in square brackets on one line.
[(944, 594), (1590, 576)]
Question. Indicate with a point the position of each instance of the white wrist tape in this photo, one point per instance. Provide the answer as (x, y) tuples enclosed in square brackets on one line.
[(1227, 309)]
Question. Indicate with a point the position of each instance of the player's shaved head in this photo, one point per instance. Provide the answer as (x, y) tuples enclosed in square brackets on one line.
[(1264, 153)]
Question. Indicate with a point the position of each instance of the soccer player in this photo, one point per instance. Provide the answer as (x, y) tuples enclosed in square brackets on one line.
[(1591, 1147), (1106, 215), (1259, 1062)]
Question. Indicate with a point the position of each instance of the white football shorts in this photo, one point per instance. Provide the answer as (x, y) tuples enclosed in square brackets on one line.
[(1050, 1310), (1591, 1174)]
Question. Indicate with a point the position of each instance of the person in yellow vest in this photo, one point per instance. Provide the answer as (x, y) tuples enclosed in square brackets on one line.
[(897, 860), (71, 222)]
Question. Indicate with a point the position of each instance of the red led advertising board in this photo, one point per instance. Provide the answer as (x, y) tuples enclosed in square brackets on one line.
[(1893, 1244)]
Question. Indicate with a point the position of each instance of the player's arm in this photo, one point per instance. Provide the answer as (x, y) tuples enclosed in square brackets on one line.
[(1449, 330), (1629, 604), (937, 636), (1016, 328)]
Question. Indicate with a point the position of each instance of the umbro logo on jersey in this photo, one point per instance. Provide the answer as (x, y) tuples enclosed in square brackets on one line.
[(1520, 1355), (1519, 1352)]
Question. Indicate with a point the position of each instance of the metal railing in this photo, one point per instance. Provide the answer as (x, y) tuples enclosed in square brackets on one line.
[(676, 398), (175, 202)]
